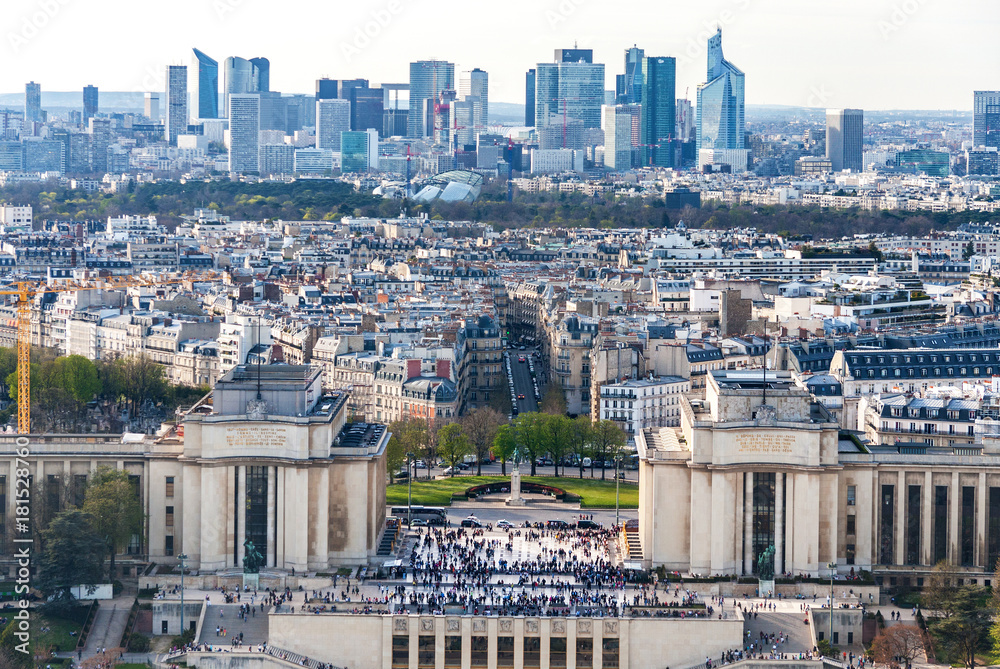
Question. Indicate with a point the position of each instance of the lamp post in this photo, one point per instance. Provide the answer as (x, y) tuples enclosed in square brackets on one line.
[(182, 557), (617, 484), (832, 566), (409, 490)]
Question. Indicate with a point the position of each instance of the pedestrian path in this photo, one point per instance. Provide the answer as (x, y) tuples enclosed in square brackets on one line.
[(227, 616)]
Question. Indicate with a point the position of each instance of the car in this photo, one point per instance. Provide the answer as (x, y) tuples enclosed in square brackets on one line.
[(520, 396), (471, 521), (463, 465), (520, 358), (419, 522), (448, 471), (504, 525), (556, 524), (420, 464), (588, 525), (521, 348)]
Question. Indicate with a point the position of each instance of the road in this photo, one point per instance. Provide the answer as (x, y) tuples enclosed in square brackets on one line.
[(522, 381)]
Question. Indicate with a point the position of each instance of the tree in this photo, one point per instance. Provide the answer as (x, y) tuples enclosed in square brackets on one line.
[(133, 380), (582, 431), (73, 556), (937, 595), (528, 434), (410, 434), (453, 445), (609, 440), (558, 434), (504, 444), (481, 426), (395, 451), (964, 632), (116, 509), (553, 400), (969, 251), (899, 644)]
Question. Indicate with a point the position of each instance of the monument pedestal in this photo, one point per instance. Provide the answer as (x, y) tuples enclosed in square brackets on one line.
[(766, 588), (515, 498), (251, 581)]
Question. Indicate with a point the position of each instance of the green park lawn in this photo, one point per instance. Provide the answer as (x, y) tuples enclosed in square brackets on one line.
[(59, 634), (594, 493)]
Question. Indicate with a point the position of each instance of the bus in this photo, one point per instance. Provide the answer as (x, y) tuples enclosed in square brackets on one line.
[(433, 515)]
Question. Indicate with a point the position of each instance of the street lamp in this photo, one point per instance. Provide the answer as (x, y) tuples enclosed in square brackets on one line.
[(182, 557), (409, 490), (832, 566), (617, 484)]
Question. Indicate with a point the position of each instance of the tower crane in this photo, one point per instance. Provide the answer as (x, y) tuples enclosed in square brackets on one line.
[(26, 290)]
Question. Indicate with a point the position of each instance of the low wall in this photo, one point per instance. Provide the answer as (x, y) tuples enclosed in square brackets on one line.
[(843, 591), (234, 661), (232, 582)]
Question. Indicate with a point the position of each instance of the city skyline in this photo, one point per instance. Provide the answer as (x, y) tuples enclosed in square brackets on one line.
[(904, 38)]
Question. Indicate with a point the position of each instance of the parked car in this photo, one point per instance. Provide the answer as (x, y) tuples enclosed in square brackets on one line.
[(471, 521), (588, 525), (420, 522), (556, 524), (504, 525)]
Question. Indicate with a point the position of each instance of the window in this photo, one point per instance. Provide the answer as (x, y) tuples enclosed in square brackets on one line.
[(169, 518), (425, 651), (453, 651), (584, 653), (609, 659), (852, 493), (505, 651), (401, 652), (851, 525), (480, 652), (557, 652), (532, 651), (849, 553), (170, 486), (168, 545)]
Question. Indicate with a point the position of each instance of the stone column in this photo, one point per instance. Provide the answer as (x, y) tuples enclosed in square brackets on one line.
[(230, 505), (954, 520), (280, 524), (241, 513), (901, 511), (747, 523), (701, 533), (319, 505), (779, 518), (926, 514), (789, 538), (981, 508), (271, 516), (723, 526)]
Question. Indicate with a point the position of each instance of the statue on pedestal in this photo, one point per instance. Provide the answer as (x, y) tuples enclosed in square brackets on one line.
[(765, 565), (252, 559)]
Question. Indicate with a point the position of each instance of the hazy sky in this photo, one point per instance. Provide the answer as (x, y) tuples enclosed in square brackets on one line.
[(874, 54)]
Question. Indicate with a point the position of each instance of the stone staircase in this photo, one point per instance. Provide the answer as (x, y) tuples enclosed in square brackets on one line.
[(255, 629), (389, 537), (790, 624), (628, 542), (294, 658)]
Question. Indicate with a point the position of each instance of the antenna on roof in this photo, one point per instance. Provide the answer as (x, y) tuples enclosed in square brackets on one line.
[(258, 356)]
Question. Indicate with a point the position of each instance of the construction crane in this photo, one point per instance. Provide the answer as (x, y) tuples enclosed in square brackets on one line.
[(26, 290)]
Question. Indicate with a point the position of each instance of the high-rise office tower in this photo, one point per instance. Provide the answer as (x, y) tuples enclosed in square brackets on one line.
[(152, 108), (241, 76), (395, 103), (721, 107), (207, 81), (476, 84), (428, 78), (659, 111), (529, 98), (32, 102), (345, 86), (359, 152), (177, 103), (326, 89), (628, 86), (263, 71), (618, 123), (244, 132), (90, 103), (986, 118), (332, 118), (100, 140), (367, 107), (569, 89), (844, 133)]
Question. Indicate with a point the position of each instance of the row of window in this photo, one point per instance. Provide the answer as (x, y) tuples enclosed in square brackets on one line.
[(479, 646)]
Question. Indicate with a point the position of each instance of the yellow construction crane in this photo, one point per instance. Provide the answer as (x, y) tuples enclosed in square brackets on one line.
[(26, 290)]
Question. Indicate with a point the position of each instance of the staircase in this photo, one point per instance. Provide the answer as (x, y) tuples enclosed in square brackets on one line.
[(389, 537), (628, 541), (254, 630), (294, 658)]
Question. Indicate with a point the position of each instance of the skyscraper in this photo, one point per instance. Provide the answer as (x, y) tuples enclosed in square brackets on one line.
[(326, 89), (244, 132), (844, 132), (629, 85), (152, 108), (332, 118), (90, 103), (529, 98), (207, 80), (241, 76), (986, 118), (177, 102), (359, 152), (367, 106), (32, 102), (569, 89), (476, 84), (428, 78), (721, 109), (618, 123), (658, 116)]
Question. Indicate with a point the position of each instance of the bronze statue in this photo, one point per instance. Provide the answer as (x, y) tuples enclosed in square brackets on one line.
[(252, 559), (765, 565)]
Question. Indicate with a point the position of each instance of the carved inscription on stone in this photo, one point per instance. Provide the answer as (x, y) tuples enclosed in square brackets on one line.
[(756, 443)]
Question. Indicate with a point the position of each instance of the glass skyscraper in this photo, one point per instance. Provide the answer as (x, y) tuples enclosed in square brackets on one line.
[(428, 79), (90, 103), (569, 90), (32, 102), (241, 76), (658, 114), (244, 133), (721, 107), (207, 81), (844, 137), (529, 98), (628, 88), (986, 118), (177, 102)]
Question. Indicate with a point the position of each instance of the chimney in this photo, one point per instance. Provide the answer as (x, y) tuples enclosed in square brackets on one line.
[(412, 369), (444, 369)]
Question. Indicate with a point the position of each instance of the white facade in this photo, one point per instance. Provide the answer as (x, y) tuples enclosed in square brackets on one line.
[(16, 216), (332, 118), (556, 160), (123, 228), (244, 133), (638, 404)]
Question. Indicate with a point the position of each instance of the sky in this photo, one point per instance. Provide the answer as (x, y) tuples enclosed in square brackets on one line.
[(872, 54)]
